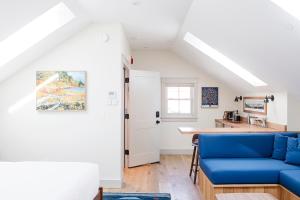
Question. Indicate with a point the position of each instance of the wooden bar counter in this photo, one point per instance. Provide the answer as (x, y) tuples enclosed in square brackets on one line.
[(234, 127)]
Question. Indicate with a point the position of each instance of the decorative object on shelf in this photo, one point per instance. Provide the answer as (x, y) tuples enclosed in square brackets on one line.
[(228, 115), (210, 97), (236, 116), (60, 90), (268, 98), (238, 98), (255, 105), (259, 121)]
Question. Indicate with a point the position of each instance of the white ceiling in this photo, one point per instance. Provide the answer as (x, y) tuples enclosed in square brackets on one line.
[(254, 33), (148, 23)]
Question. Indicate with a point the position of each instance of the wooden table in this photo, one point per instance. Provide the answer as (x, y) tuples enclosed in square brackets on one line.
[(245, 196)]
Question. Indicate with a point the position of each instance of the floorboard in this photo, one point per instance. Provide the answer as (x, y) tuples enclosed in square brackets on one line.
[(170, 176)]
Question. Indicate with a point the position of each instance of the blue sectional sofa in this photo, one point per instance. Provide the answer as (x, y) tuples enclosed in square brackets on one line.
[(243, 163)]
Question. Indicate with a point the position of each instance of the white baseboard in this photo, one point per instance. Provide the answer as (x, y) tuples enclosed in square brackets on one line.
[(111, 183), (176, 151)]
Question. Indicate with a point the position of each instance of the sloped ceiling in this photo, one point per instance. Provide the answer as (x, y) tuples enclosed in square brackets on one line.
[(256, 34), (148, 24), (15, 14)]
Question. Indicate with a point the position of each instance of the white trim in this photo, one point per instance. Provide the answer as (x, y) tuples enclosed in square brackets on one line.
[(111, 183), (176, 151)]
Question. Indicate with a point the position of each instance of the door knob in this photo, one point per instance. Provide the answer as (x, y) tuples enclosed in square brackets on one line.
[(157, 122)]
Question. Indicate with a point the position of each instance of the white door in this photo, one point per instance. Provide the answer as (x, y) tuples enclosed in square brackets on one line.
[(144, 117)]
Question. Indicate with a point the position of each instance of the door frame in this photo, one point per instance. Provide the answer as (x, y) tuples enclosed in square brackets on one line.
[(126, 70)]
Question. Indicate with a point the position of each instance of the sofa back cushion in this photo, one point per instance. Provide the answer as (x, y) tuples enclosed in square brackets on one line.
[(289, 134), (236, 145), (293, 151), (280, 147)]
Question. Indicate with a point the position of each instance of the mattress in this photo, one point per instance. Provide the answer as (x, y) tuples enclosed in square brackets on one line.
[(48, 181)]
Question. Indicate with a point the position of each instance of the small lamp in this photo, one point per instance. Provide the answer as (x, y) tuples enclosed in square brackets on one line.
[(237, 99), (268, 98)]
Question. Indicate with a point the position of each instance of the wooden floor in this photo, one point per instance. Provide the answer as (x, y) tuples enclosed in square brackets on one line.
[(170, 176)]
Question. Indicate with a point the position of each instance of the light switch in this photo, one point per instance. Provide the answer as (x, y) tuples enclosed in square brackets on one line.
[(112, 98)]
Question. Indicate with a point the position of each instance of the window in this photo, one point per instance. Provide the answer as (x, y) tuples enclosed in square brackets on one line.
[(34, 32), (223, 60), (179, 99), (292, 7)]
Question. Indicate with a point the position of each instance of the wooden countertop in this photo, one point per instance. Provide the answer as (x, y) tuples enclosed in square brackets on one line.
[(241, 124), (192, 130), (235, 127), (244, 124)]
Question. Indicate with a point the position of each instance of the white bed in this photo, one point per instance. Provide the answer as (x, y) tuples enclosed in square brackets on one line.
[(48, 181)]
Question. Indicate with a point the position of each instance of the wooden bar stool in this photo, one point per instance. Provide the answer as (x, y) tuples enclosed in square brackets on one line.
[(194, 165)]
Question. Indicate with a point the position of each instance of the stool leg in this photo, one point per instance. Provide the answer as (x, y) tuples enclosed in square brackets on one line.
[(196, 167), (193, 159)]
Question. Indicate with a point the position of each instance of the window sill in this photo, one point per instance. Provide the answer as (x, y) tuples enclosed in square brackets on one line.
[(182, 119)]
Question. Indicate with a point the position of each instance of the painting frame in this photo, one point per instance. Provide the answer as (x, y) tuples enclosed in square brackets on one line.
[(68, 86), (209, 97), (261, 109)]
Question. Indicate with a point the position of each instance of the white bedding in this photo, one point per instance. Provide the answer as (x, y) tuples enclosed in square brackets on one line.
[(48, 181)]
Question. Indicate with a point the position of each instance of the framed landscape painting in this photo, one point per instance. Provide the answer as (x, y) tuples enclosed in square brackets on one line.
[(255, 105), (60, 90), (210, 97)]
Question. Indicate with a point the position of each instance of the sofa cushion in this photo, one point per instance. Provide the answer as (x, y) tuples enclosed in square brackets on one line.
[(289, 134), (280, 147), (244, 170), (236, 145), (290, 179), (293, 151)]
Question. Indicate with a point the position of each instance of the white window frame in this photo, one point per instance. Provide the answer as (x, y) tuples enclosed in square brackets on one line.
[(179, 82)]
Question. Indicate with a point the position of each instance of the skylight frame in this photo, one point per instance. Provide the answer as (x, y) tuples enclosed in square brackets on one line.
[(34, 32), (223, 60)]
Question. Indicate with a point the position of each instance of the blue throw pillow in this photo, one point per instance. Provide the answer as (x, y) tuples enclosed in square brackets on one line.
[(280, 147), (293, 152)]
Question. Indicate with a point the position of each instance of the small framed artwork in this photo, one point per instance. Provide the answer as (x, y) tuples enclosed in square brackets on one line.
[(60, 90), (210, 97), (255, 105)]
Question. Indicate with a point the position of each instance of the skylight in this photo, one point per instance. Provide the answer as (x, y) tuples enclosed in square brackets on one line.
[(223, 60), (34, 32), (290, 6)]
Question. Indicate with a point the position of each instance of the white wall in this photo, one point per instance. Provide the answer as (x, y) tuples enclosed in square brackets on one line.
[(170, 65), (94, 135), (277, 110), (293, 113)]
